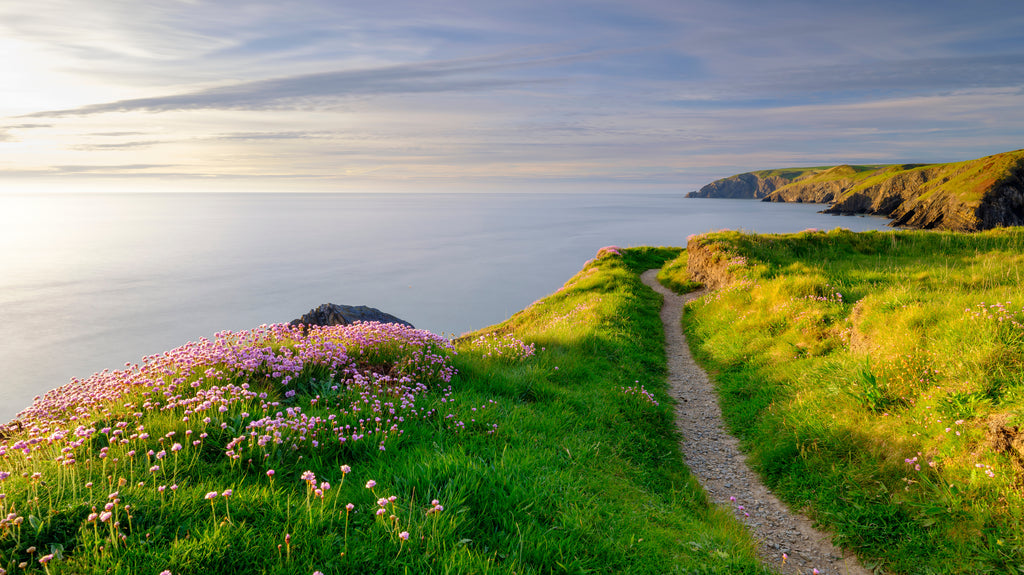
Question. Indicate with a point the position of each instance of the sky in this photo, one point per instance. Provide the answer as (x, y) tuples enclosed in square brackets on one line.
[(523, 95)]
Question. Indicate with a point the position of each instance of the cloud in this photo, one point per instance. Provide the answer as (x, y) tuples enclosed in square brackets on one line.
[(118, 146), (989, 71), (7, 136), (257, 136), (863, 82), (301, 91), (131, 168)]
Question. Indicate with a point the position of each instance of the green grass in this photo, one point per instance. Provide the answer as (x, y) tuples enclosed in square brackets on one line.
[(967, 181), (550, 462), (675, 275), (877, 379)]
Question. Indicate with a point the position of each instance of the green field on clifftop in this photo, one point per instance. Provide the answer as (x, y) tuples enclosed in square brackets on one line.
[(877, 380)]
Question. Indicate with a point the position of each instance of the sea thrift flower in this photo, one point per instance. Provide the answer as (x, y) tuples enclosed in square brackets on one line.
[(211, 495), (371, 484), (404, 535)]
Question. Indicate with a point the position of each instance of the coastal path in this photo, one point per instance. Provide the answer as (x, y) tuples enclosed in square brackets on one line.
[(713, 456)]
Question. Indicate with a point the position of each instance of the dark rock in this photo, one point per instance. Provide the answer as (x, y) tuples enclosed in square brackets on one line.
[(1003, 204), (741, 186), (333, 314)]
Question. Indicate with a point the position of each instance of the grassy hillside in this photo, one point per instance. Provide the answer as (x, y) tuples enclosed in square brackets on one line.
[(967, 181), (542, 445), (850, 175), (877, 379), (790, 174)]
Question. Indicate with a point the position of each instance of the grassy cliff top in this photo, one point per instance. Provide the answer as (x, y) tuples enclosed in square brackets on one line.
[(877, 379), (967, 181), (824, 173), (544, 444)]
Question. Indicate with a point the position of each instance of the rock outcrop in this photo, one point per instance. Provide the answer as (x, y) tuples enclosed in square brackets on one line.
[(333, 314), (748, 186), (820, 188), (963, 196)]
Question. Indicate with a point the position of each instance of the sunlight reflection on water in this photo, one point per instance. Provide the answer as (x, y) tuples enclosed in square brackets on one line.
[(91, 281)]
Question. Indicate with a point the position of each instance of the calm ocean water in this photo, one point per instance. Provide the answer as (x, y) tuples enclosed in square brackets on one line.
[(91, 281)]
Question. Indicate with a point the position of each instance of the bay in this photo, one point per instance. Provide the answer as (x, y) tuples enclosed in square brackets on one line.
[(92, 281)]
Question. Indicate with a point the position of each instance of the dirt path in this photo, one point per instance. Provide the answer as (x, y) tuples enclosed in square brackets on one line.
[(715, 459)]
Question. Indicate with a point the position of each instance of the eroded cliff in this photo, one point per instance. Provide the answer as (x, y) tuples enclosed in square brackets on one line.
[(962, 196)]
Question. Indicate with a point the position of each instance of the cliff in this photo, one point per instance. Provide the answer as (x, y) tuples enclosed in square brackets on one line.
[(751, 185), (963, 196), (826, 185)]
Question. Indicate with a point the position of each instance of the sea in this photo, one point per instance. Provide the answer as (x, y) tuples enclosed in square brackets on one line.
[(92, 281)]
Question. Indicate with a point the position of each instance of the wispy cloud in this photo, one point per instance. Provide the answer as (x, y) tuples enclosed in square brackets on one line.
[(919, 74), (257, 136), (118, 145), (302, 91), (529, 91), (112, 169)]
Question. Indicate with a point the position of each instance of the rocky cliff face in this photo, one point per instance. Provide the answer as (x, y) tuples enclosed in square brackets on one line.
[(923, 198), (963, 196), (818, 189), (748, 186), (1004, 204)]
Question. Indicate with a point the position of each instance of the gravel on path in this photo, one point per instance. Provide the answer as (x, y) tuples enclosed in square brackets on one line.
[(713, 456)]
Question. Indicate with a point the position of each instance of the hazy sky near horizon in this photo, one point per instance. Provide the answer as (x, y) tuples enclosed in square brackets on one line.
[(521, 95)]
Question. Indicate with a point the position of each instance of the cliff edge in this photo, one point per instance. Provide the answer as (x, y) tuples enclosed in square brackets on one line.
[(751, 185), (963, 196)]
